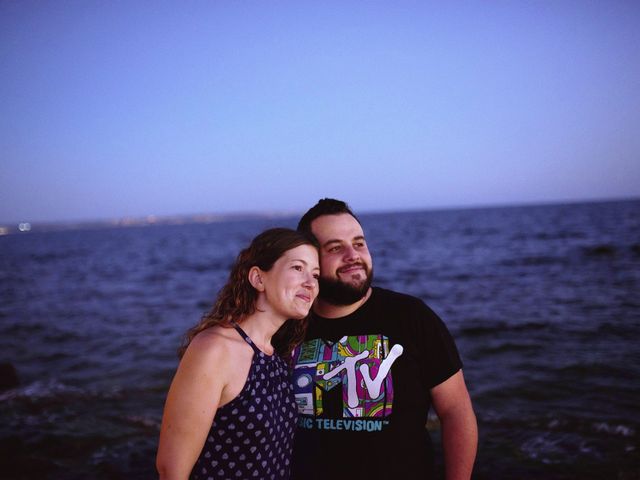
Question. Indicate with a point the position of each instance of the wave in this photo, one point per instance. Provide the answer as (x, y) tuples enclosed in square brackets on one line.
[(608, 250), (601, 250), (533, 261), (616, 430), (506, 347), (42, 390), (548, 236), (491, 328), (53, 256), (591, 369), (53, 390)]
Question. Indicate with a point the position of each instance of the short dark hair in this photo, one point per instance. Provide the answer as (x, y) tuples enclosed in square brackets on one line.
[(325, 206)]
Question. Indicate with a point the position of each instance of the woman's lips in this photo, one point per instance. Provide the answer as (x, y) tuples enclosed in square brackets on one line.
[(306, 298)]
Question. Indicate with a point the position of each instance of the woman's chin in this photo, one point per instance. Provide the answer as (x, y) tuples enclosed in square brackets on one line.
[(300, 315)]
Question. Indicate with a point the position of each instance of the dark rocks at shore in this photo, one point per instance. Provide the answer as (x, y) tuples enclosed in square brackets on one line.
[(8, 377)]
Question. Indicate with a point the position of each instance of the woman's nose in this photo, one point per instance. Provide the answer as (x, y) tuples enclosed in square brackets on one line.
[(310, 281)]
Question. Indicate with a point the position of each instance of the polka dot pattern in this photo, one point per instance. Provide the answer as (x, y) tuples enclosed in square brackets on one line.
[(252, 436)]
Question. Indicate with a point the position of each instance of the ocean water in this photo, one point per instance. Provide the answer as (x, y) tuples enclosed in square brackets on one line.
[(543, 301)]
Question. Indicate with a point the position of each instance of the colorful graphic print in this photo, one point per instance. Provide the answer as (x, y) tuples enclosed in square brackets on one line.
[(360, 365)]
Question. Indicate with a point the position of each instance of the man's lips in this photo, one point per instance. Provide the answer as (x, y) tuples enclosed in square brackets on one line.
[(351, 268)]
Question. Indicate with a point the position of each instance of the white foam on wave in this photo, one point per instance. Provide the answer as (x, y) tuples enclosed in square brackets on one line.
[(51, 389), (41, 390), (542, 447), (622, 430)]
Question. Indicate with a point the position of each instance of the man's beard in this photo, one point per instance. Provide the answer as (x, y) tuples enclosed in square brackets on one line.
[(336, 292)]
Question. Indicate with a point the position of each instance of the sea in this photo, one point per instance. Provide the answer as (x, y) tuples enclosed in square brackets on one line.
[(542, 300)]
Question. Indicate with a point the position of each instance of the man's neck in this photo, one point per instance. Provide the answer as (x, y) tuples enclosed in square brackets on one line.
[(328, 310)]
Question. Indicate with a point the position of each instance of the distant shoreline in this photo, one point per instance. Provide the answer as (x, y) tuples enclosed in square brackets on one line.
[(9, 228), (126, 222)]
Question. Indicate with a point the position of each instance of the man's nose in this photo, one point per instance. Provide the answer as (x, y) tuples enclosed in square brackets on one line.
[(351, 254)]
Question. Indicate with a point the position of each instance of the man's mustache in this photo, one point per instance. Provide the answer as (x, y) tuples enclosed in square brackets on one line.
[(351, 265)]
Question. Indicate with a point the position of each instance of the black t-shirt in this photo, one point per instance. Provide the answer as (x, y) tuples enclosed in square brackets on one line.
[(362, 387)]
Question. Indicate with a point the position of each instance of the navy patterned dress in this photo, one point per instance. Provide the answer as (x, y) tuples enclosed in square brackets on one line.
[(252, 436)]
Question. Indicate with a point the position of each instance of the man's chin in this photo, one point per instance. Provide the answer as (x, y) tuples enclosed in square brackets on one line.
[(336, 292)]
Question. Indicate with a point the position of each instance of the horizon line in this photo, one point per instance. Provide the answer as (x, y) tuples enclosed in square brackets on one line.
[(191, 218)]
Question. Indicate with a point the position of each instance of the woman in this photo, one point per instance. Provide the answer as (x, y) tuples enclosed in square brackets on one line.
[(230, 411)]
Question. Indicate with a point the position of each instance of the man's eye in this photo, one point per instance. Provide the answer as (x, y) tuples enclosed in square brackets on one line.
[(334, 249)]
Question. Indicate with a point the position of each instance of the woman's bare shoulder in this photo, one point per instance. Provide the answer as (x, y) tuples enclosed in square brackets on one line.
[(215, 342)]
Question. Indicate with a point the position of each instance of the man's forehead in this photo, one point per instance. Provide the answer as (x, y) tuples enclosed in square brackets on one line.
[(336, 227)]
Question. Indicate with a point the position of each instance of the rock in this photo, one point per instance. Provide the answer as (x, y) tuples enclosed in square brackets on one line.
[(8, 377)]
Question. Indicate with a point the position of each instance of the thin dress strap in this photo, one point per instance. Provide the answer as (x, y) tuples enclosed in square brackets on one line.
[(246, 337)]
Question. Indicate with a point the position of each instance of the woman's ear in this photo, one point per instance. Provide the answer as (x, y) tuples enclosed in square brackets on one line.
[(255, 279)]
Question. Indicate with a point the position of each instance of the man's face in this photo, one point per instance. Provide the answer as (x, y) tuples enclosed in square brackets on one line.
[(346, 269)]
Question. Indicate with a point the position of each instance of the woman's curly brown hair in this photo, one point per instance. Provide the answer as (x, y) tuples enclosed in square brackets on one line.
[(237, 299)]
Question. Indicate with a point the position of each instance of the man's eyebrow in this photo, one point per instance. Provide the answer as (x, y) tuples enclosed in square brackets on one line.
[(354, 239), (331, 241)]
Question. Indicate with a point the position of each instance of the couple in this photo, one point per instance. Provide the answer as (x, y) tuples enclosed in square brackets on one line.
[(371, 365)]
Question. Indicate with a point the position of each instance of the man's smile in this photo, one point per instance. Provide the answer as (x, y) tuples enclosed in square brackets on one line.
[(352, 268)]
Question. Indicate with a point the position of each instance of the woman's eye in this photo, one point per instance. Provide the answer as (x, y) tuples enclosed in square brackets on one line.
[(297, 267), (316, 276)]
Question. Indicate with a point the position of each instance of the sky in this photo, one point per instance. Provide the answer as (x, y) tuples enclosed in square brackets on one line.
[(112, 109)]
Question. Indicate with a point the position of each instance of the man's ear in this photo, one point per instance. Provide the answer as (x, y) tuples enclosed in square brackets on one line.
[(255, 279)]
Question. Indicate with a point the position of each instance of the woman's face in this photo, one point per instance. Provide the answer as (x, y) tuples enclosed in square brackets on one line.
[(291, 286)]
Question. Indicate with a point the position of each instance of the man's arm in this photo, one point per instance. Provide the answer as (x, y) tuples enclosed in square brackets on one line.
[(459, 427)]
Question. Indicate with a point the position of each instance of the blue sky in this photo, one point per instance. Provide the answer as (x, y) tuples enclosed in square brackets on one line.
[(113, 109)]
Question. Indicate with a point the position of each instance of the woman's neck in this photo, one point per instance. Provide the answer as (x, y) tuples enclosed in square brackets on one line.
[(260, 327)]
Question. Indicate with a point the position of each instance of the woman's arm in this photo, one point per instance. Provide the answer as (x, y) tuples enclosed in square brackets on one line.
[(191, 404)]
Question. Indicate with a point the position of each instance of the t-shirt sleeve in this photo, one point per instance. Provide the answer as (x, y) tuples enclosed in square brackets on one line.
[(441, 357)]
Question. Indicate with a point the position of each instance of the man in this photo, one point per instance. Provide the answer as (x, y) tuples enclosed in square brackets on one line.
[(372, 364)]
